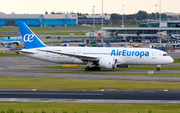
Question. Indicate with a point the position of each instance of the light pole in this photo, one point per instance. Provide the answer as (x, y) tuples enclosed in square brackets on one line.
[(122, 15), (156, 12), (102, 27), (94, 20), (160, 21), (160, 11)]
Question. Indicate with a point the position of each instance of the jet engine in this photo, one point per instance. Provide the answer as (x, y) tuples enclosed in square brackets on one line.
[(108, 63)]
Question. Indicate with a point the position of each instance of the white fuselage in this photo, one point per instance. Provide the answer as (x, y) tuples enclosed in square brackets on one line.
[(129, 56)]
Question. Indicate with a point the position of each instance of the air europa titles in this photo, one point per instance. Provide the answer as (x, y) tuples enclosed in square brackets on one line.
[(129, 53)]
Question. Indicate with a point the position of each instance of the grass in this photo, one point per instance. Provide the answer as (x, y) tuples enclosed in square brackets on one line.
[(58, 83), (70, 107), (11, 29), (176, 61), (49, 28), (10, 55), (61, 33), (11, 35), (130, 68), (136, 74), (152, 68)]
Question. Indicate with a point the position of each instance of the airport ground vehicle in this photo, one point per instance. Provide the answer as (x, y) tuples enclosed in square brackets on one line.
[(176, 46)]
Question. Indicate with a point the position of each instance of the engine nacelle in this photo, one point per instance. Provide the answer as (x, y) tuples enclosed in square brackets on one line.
[(108, 63)]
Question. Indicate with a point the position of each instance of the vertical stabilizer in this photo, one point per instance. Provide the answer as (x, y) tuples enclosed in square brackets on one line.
[(29, 38)]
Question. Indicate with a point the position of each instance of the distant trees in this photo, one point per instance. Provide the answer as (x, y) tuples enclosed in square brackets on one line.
[(141, 15), (57, 12), (13, 13), (2, 12), (53, 12), (10, 22), (134, 18)]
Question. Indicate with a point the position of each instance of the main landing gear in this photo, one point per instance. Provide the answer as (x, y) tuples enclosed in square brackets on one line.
[(95, 68), (158, 68)]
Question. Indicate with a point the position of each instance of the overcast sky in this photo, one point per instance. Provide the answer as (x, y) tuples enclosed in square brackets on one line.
[(85, 6)]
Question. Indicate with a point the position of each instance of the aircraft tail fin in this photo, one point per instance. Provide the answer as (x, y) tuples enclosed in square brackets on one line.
[(29, 38)]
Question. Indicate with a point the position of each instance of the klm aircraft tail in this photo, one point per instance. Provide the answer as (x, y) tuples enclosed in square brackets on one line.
[(29, 38)]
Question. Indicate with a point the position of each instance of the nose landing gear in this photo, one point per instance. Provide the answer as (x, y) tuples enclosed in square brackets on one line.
[(158, 67)]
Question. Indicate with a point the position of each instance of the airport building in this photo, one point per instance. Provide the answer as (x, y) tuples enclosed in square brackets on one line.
[(142, 33), (162, 24), (41, 19), (97, 19), (147, 31)]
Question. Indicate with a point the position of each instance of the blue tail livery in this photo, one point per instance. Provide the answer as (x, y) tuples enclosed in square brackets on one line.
[(29, 38)]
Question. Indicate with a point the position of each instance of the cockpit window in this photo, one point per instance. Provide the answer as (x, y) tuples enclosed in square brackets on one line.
[(165, 55)]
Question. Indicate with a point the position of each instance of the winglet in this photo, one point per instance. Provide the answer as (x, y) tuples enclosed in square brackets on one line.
[(29, 38)]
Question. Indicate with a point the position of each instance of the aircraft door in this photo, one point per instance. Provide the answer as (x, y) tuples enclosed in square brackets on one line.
[(154, 55), (47, 56), (129, 60), (79, 52)]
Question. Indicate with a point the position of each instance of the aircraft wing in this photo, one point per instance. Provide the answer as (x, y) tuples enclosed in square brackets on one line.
[(79, 56)]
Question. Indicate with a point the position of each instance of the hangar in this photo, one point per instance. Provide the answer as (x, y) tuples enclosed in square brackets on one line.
[(41, 19)]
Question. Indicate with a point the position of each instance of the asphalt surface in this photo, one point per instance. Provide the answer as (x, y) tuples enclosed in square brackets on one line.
[(21, 66), (12, 66), (121, 96)]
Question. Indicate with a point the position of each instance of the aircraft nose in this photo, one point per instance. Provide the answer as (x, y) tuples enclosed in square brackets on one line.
[(171, 60)]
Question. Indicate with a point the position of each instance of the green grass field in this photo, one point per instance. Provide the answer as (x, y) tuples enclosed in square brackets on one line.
[(10, 55), (58, 83), (61, 33), (10, 29), (135, 74), (49, 29), (57, 107), (176, 61), (130, 68)]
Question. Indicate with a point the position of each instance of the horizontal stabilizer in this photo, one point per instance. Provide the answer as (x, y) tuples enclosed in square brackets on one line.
[(25, 51)]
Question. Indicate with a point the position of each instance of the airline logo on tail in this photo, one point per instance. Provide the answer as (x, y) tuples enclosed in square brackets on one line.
[(28, 37)]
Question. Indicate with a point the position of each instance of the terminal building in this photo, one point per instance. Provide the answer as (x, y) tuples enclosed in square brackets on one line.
[(149, 31), (41, 19), (162, 24)]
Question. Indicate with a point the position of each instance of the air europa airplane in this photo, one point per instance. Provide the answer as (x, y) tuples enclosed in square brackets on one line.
[(95, 57)]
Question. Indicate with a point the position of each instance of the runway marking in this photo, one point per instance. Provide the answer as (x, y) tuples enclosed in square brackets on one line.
[(34, 89)]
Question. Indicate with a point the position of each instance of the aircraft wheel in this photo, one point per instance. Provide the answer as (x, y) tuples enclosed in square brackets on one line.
[(157, 69), (87, 69), (98, 68)]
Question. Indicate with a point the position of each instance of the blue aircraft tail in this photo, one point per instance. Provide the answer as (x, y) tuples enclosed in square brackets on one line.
[(29, 38)]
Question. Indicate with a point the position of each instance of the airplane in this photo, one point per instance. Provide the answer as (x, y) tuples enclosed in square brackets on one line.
[(98, 57), (11, 40)]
